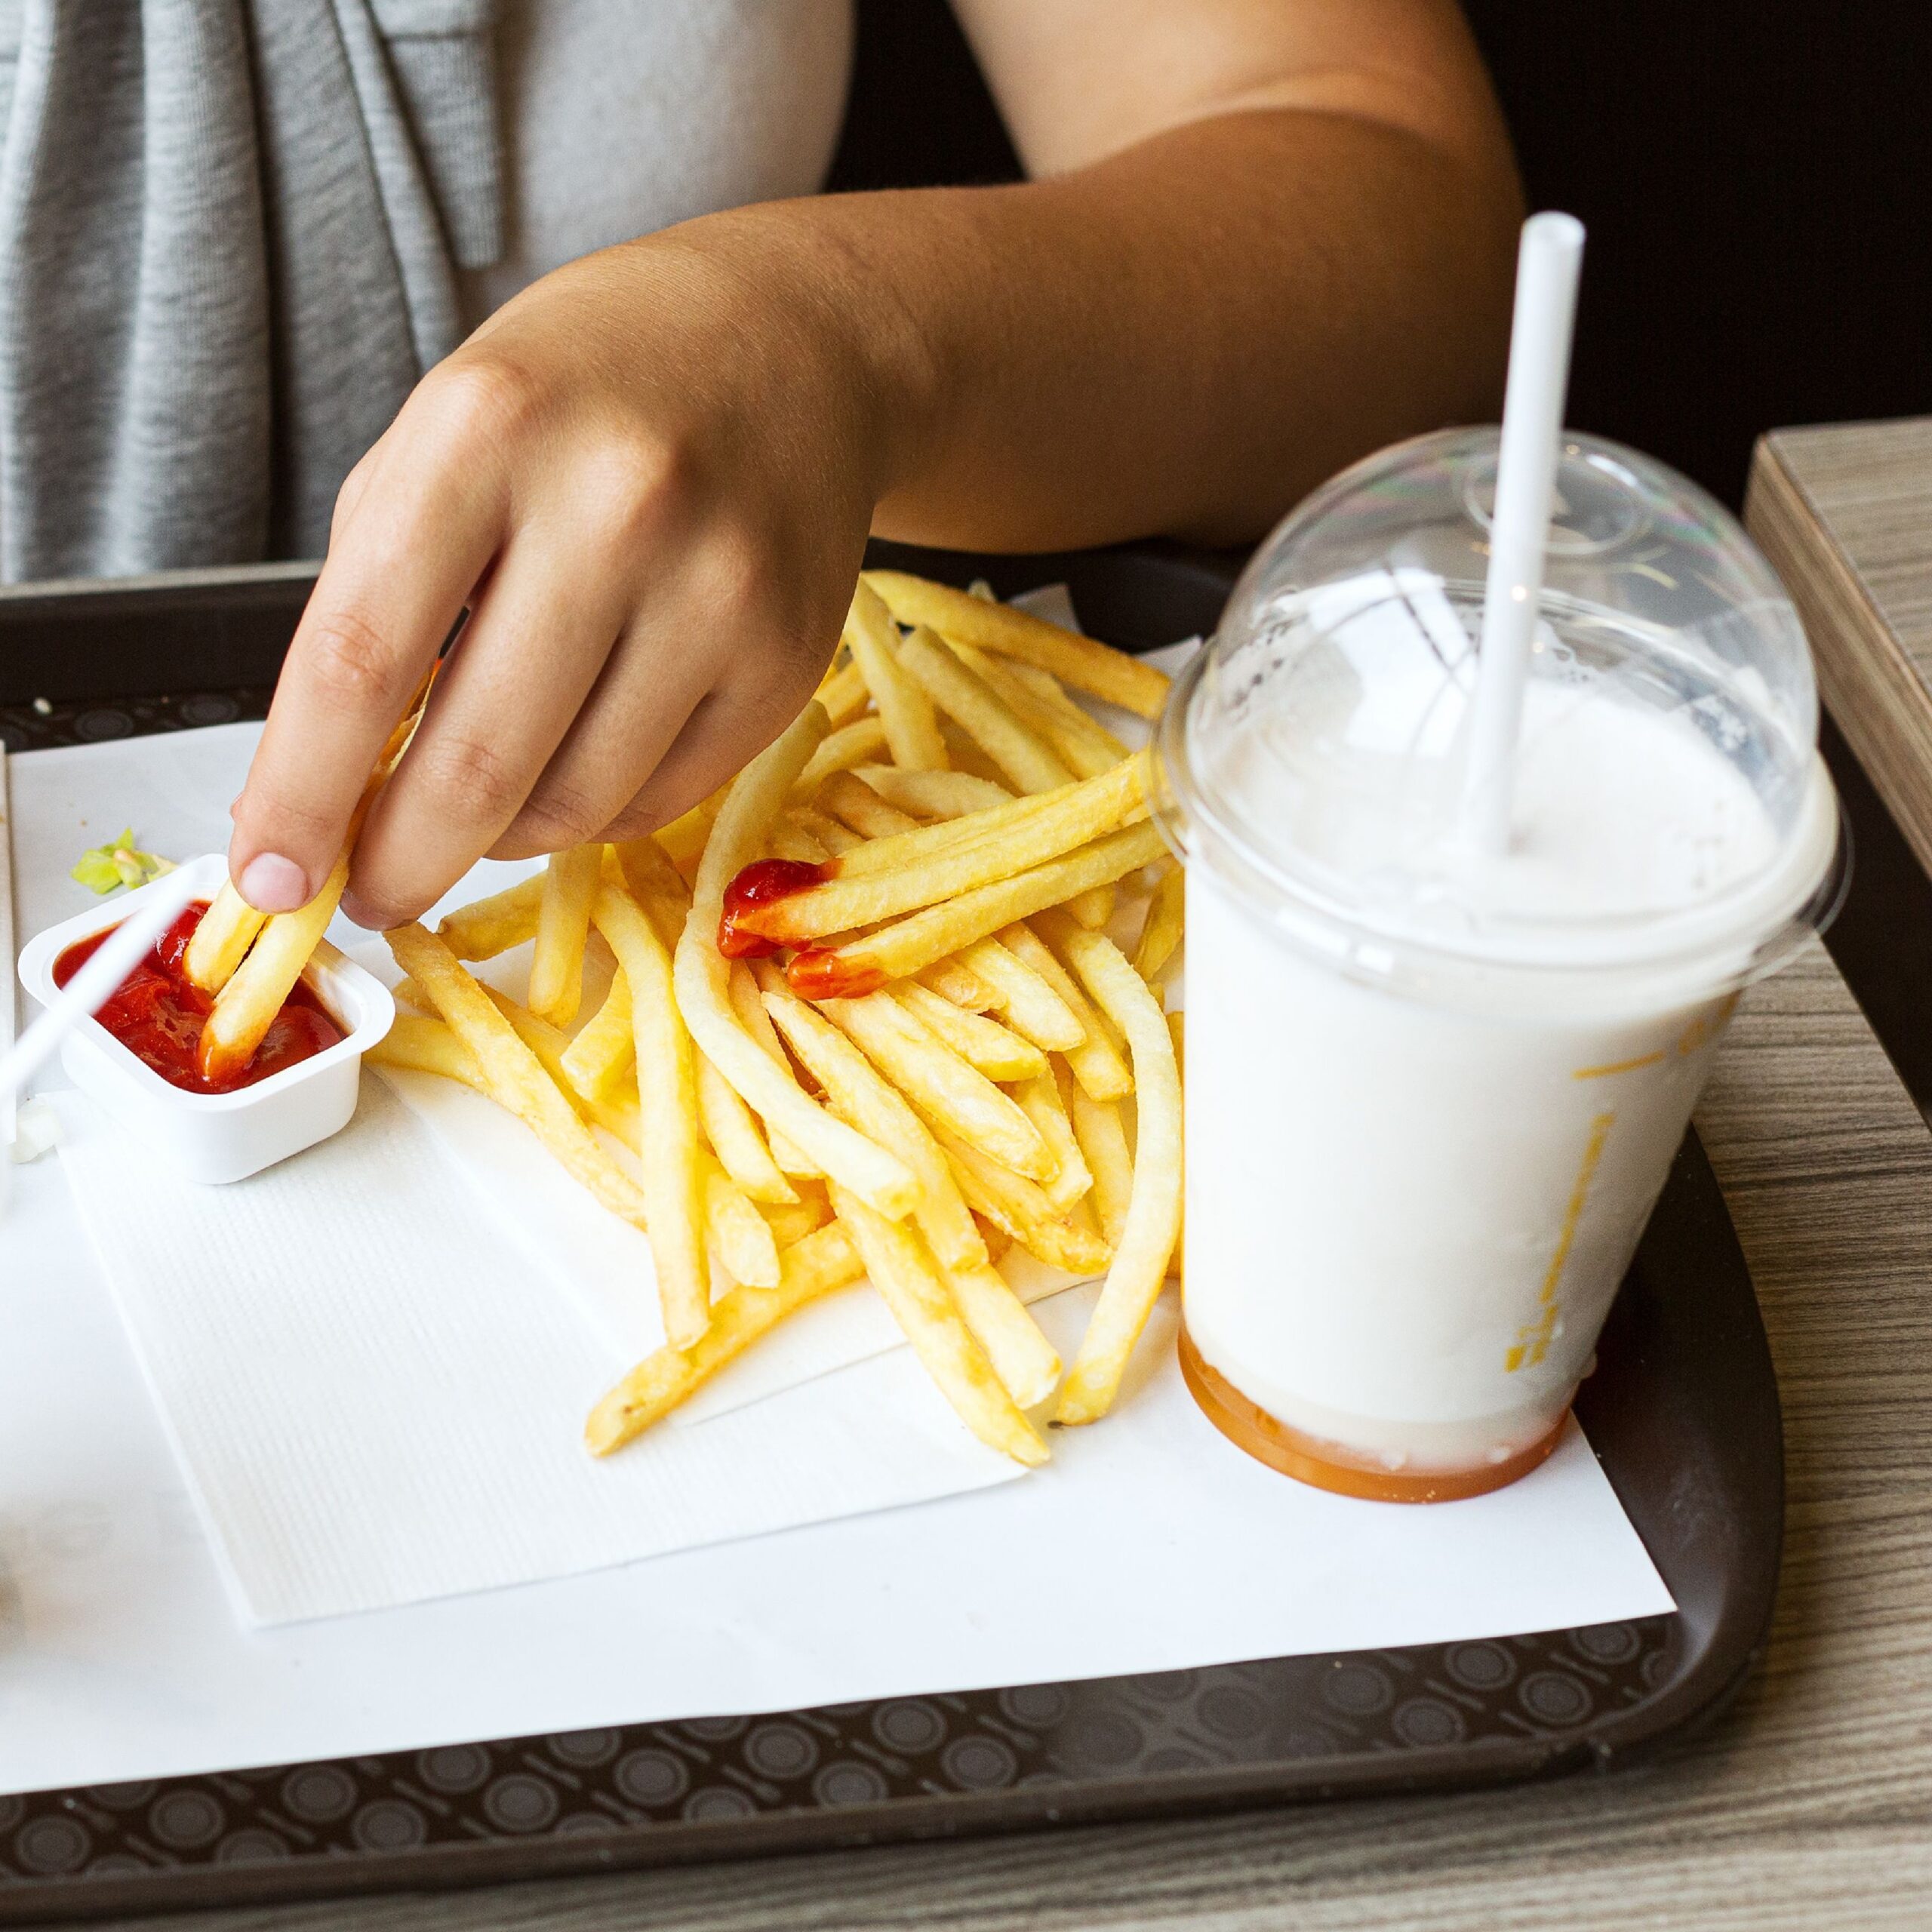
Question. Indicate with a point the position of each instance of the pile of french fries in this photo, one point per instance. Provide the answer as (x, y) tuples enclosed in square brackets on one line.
[(928, 1051)]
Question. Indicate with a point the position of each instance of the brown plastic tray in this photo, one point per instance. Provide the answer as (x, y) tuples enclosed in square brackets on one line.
[(1682, 1411)]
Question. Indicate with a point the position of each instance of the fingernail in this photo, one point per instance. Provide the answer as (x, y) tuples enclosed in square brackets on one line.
[(271, 884)]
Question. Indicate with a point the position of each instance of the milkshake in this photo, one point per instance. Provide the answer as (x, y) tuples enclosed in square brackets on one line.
[(1434, 1092)]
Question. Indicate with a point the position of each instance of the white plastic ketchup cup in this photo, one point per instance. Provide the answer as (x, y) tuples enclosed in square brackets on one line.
[(1433, 1092)]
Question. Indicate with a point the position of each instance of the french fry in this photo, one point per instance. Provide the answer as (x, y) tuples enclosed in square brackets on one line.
[(246, 1006), (982, 1044), (733, 1130), (842, 692), (788, 839), (896, 951), (912, 731), (1096, 1059), (1093, 908), (1153, 1215), (226, 931), (941, 1085), (853, 803), (953, 979), (616, 1112), (1083, 746), (821, 1262), (1161, 933), (749, 1007), (1039, 1100), (683, 839), (1087, 807), (1096, 1126), (888, 876), (910, 1281), (934, 794), (1085, 743), (515, 1076), (1017, 750), (674, 1183), (793, 1221), (703, 986), (1023, 1357), (605, 1050), (746, 1247), (425, 1045), (966, 756), (1082, 662), (656, 885), (863, 1097), (488, 926), (1026, 1002), (1176, 1027), (563, 923), (855, 743), (1020, 1206), (837, 839)]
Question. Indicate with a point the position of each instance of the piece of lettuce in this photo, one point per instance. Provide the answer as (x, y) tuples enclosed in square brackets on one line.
[(109, 867)]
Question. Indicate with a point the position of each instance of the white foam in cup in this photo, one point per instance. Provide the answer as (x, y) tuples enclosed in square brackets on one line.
[(1433, 1094)]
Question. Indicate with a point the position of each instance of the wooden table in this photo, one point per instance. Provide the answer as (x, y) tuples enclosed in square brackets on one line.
[(1809, 1803)]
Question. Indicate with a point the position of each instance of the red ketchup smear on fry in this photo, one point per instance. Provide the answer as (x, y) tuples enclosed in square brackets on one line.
[(763, 882), (820, 973), (157, 1016)]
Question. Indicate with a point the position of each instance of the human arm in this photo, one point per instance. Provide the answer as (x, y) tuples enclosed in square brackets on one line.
[(1262, 238)]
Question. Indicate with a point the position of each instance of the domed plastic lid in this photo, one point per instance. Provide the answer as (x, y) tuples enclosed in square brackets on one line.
[(1669, 804)]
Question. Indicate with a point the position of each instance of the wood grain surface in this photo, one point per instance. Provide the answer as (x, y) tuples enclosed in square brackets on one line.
[(1844, 512), (1808, 1804)]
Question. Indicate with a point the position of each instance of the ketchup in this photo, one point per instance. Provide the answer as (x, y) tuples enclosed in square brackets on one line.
[(820, 973), (158, 1015), (763, 882)]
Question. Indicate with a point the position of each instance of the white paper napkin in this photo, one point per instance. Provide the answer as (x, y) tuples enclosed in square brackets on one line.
[(378, 1402)]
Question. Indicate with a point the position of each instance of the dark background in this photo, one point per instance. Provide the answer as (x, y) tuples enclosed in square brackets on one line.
[(1756, 178)]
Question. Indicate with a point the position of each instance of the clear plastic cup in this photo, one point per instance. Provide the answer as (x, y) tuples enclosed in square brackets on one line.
[(1433, 1094)]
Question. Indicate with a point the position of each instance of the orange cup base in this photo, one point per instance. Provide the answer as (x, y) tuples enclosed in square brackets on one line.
[(1329, 1466)]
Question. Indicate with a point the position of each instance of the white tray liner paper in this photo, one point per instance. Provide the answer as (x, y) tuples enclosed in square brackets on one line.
[(414, 1417)]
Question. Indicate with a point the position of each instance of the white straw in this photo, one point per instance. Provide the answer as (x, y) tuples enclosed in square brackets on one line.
[(1547, 264), (98, 980)]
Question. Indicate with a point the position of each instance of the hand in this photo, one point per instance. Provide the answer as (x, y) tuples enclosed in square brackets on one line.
[(649, 478)]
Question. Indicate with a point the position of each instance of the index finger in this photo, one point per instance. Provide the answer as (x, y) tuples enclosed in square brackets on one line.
[(395, 581)]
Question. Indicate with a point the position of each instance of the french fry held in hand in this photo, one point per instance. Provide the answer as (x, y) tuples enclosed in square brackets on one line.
[(226, 930)]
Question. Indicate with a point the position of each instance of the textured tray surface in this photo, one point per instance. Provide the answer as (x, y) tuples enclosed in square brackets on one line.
[(1682, 1411)]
